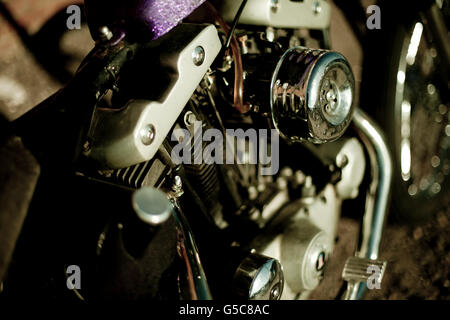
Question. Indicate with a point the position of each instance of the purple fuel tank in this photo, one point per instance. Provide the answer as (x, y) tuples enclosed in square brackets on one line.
[(138, 19)]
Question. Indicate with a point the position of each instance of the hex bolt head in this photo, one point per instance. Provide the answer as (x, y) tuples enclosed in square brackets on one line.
[(198, 56), (105, 33), (148, 134), (189, 118), (317, 8)]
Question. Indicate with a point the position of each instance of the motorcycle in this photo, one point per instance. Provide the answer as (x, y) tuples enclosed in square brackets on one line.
[(202, 151)]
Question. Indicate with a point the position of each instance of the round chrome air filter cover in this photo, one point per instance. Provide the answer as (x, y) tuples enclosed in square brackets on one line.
[(312, 95)]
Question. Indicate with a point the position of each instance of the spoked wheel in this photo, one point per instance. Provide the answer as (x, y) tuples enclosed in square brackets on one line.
[(421, 128), (413, 108)]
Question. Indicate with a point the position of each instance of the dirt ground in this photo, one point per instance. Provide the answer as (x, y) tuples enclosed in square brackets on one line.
[(418, 257), (418, 260)]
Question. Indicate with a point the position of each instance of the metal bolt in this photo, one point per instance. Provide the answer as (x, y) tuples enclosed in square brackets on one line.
[(148, 134), (261, 187), (281, 183), (252, 192), (274, 5), (331, 98), (309, 189), (275, 292), (243, 40), (198, 56), (317, 8), (331, 95), (286, 172), (177, 184), (105, 33), (177, 187), (270, 34), (189, 118)]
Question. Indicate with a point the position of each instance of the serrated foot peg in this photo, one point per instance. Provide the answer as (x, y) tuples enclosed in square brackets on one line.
[(358, 269)]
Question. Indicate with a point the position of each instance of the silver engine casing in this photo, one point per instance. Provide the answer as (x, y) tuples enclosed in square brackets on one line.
[(311, 14)]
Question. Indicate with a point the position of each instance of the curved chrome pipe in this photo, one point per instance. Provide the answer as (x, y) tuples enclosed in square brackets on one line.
[(377, 200), (188, 250)]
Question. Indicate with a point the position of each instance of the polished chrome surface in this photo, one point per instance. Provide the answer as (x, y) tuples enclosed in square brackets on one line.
[(189, 252), (105, 33), (312, 95), (198, 56), (151, 205), (420, 97), (148, 134), (377, 200), (259, 278), (358, 269)]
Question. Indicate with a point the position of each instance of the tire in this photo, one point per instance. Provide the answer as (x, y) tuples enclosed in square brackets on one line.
[(391, 87)]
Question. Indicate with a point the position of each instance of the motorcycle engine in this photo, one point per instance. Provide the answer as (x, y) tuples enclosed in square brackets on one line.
[(268, 235), (307, 96)]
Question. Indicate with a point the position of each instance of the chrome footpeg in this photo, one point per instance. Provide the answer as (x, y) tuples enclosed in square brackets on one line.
[(358, 269)]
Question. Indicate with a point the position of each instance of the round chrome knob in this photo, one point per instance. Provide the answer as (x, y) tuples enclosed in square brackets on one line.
[(259, 278), (151, 205), (312, 95)]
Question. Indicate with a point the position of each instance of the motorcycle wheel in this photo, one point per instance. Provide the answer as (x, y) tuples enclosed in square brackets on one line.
[(413, 109)]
